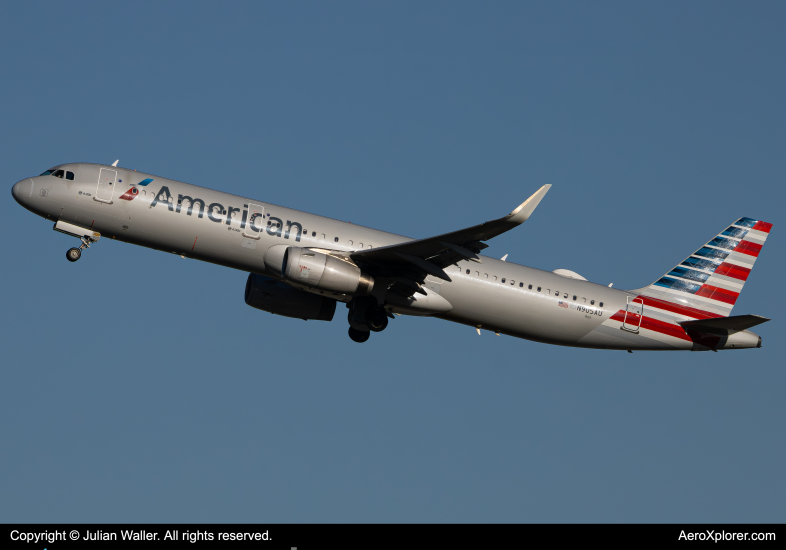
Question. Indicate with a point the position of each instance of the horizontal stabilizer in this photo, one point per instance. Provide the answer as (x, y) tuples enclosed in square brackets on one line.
[(724, 325)]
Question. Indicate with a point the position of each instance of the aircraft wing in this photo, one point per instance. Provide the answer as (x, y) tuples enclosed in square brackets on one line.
[(409, 263)]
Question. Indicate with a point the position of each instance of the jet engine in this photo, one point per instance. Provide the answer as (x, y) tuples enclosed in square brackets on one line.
[(276, 297), (317, 270)]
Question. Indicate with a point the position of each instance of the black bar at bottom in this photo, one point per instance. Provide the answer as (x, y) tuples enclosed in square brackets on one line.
[(347, 536)]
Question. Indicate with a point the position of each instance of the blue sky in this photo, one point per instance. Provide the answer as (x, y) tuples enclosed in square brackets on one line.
[(137, 386)]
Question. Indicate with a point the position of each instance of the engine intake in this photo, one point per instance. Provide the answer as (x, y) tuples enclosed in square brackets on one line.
[(276, 297), (317, 270)]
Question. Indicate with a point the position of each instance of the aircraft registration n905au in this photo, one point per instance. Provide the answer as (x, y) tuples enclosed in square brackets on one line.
[(300, 265)]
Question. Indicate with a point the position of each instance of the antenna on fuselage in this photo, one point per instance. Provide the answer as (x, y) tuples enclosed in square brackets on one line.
[(115, 163)]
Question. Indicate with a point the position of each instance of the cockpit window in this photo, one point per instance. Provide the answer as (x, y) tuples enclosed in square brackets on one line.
[(48, 172), (58, 174), (69, 175)]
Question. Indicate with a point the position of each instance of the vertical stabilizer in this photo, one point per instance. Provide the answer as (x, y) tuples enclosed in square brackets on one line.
[(708, 282)]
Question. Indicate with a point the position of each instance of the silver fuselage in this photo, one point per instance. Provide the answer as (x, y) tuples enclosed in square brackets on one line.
[(531, 303)]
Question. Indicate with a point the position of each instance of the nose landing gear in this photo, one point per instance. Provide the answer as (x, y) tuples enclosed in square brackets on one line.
[(87, 236), (74, 254)]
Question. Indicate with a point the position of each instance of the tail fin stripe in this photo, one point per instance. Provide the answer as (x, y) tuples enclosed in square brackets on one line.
[(747, 222), (720, 294), (764, 227), (748, 247), (731, 270), (735, 232), (722, 242), (677, 284), (689, 274), (735, 285), (699, 263), (742, 260), (692, 312), (706, 252)]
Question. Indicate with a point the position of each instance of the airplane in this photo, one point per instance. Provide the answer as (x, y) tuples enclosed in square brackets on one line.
[(301, 265)]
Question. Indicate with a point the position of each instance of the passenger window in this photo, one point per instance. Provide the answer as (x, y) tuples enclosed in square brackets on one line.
[(566, 295), (335, 239), (58, 174), (350, 243), (530, 287), (538, 289), (574, 298), (360, 245), (592, 302), (495, 278), (522, 285), (601, 304), (503, 279), (468, 272), (313, 233), (583, 300), (69, 175), (477, 274), (512, 282), (486, 275), (556, 293)]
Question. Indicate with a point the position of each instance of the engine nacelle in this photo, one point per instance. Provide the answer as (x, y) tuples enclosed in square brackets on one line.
[(276, 297), (317, 270)]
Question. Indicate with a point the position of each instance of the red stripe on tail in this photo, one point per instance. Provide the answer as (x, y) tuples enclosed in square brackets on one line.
[(748, 247), (656, 325), (731, 270), (764, 227), (691, 312), (720, 294)]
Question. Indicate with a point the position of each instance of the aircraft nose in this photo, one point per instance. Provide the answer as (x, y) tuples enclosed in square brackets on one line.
[(17, 190)]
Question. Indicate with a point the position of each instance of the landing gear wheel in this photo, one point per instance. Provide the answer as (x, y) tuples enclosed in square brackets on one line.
[(358, 335), (378, 320), (73, 254)]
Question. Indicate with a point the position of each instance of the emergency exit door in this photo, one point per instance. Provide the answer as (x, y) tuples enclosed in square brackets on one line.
[(107, 180)]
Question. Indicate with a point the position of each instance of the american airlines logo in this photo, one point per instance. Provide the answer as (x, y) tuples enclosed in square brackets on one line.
[(133, 192), (218, 213)]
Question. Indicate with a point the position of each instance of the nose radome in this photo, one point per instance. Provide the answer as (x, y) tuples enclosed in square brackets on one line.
[(18, 189)]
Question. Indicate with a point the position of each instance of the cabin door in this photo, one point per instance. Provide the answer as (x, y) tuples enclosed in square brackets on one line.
[(633, 315), (107, 180)]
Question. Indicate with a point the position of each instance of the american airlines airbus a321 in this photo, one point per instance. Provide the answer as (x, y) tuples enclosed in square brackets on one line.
[(302, 264)]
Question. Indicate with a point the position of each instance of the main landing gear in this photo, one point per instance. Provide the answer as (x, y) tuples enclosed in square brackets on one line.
[(74, 254), (365, 316)]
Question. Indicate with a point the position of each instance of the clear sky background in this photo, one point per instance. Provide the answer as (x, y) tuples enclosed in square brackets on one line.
[(138, 386)]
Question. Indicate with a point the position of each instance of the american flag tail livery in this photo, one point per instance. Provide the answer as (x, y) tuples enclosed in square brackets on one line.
[(690, 306), (707, 283)]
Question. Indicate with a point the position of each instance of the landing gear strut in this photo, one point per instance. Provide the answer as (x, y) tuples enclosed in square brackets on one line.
[(74, 254), (365, 316)]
